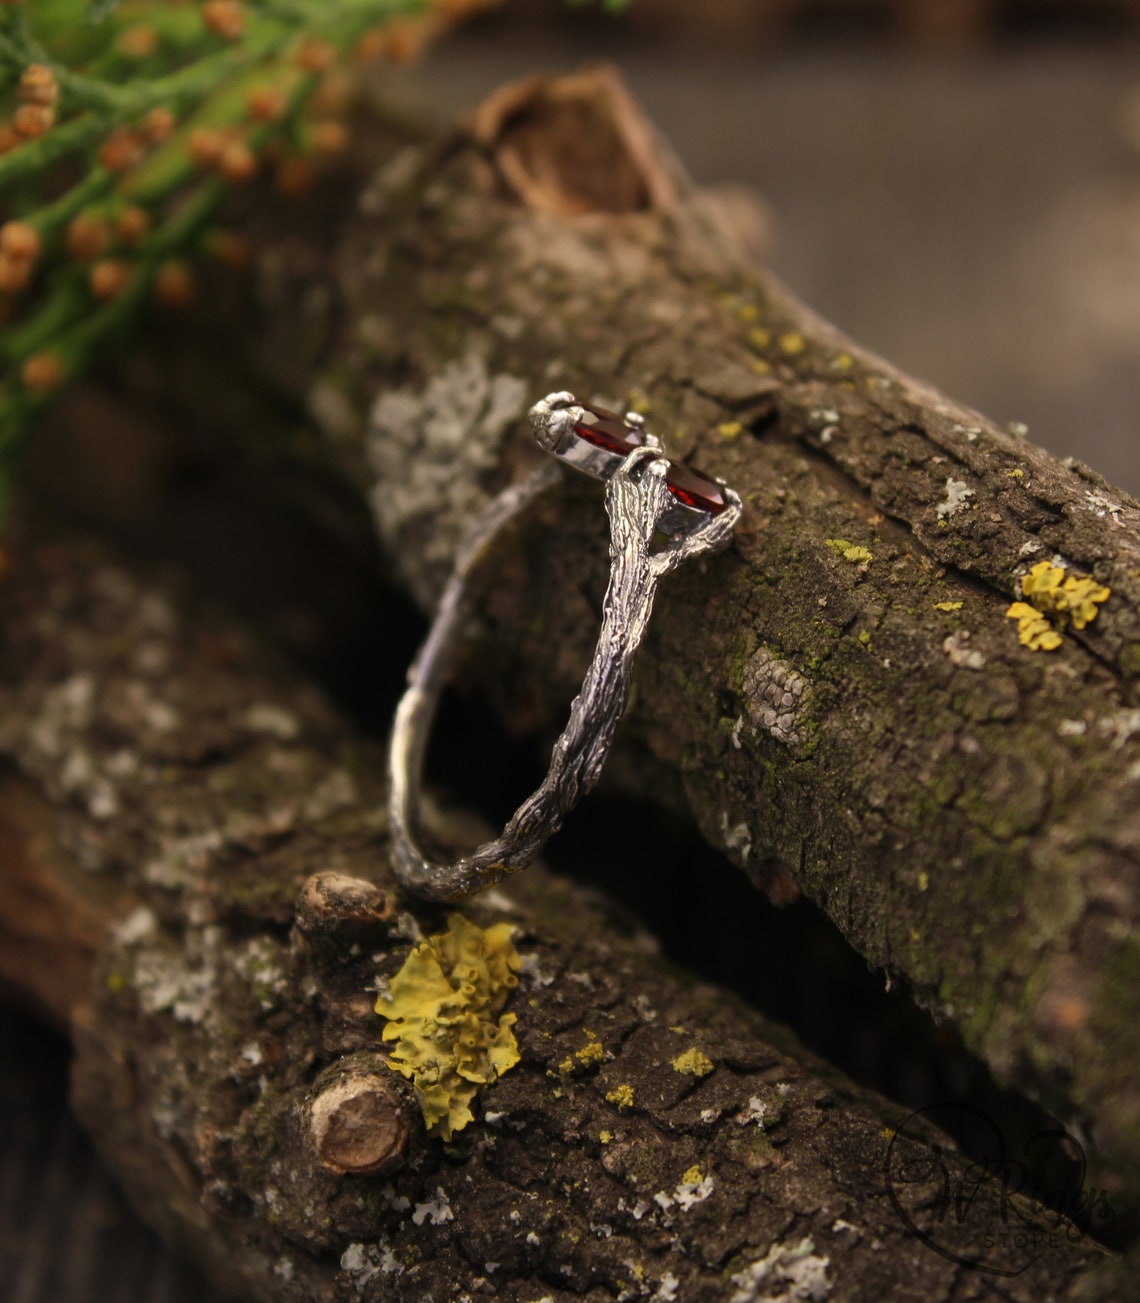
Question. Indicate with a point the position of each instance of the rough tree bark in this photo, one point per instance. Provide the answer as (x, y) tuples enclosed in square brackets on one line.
[(207, 825), (841, 697)]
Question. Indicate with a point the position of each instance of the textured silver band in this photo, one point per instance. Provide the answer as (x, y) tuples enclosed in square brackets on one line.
[(637, 501)]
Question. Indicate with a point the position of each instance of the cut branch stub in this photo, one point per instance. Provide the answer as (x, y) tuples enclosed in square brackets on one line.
[(334, 908), (356, 1125), (577, 144)]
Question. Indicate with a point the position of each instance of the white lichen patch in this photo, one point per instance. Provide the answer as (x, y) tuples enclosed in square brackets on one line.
[(436, 445), (258, 961), (1100, 504), (775, 695), (530, 970), (737, 838), (786, 1274), (181, 859), (336, 792), (364, 1262), (959, 652), (139, 924), (693, 1189), (67, 708), (757, 1112), (957, 498), (272, 720), (437, 1210), (185, 987), (1120, 727), (667, 1289), (397, 1202)]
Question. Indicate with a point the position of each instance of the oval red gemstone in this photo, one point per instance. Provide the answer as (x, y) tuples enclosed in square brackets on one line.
[(694, 489), (607, 430)]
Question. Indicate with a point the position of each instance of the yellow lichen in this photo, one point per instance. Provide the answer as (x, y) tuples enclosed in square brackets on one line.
[(729, 429), (792, 343), (694, 1062), (853, 552), (759, 338), (1016, 474), (693, 1176), (842, 361), (621, 1095), (1051, 590), (947, 606), (605, 1137), (444, 1013), (592, 1052), (748, 312), (761, 367)]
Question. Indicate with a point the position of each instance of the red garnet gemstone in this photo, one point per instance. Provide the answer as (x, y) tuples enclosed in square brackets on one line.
[(694, 489), (607, 430)]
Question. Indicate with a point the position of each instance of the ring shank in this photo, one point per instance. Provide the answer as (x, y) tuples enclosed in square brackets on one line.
[(635, 502)]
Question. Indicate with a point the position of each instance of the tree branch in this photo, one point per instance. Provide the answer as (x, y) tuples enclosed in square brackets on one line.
[(656, 1140)]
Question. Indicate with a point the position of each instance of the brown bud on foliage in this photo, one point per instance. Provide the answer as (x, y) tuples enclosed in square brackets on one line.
[(158, 124), (138, 42), (329, 137), (121, 150), (31, 121), (409, 37), (205, 146), (38, 85), (237, 162), (132, 225), (14, 274), (88, 235), (315, 56), (108, 277), (19, 241), (370, 46), (42, 373), (333, 93), (224, 18), (265, 104), (174, 284)]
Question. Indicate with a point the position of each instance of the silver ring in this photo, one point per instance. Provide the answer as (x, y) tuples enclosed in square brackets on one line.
[(646, 494)]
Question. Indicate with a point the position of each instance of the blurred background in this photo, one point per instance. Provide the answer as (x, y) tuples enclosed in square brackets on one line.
[(955, 183)]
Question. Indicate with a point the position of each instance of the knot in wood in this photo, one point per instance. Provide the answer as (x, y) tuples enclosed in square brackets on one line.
[(356, 1125)]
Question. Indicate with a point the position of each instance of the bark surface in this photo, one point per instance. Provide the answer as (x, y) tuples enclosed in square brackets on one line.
[(841, 698), (206, 823)]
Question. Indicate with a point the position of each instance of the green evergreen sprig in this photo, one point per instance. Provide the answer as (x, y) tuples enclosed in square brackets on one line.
[(122, 127)]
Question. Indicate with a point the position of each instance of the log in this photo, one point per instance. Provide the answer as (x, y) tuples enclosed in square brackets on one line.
[(201, 820), (840, 699)]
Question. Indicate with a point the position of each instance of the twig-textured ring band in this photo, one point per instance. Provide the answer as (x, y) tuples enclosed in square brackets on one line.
[(646, 494)]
